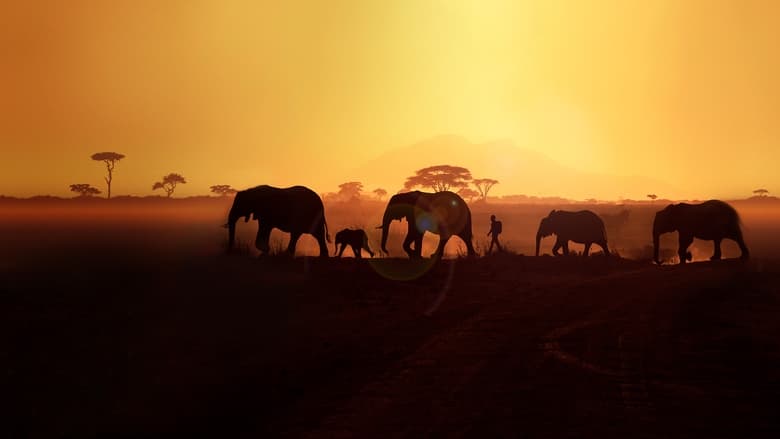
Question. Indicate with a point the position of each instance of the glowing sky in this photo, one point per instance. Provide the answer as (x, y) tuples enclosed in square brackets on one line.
[(288, 92)]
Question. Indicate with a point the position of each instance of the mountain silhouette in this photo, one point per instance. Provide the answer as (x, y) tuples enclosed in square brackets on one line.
[(519, 170)]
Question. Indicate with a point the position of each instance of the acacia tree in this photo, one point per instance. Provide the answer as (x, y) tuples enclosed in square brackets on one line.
[(110, 159), (84, 189), (380, 193), (169, 182), (350, 190), (468, 193), (439, 178), (652, 197), (761, 192), (484, 185), (223, 190)]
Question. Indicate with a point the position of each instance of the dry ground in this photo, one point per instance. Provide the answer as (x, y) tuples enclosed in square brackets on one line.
[(153, 333)]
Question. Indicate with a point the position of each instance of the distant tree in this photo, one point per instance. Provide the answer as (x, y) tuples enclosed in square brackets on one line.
[(468, 194), (223, 190), (350, 190), (439, 178), (84, 189), (761, 192), (169, 182), (380, 193), (110, 159), (484, 185), (652, 196)]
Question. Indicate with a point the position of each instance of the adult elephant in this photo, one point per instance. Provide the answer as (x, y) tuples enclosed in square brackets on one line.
[(712, 220), (443, 213), (296, 210), (584, 227)]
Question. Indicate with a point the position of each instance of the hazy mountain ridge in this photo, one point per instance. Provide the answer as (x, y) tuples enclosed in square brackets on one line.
[(519, 170)]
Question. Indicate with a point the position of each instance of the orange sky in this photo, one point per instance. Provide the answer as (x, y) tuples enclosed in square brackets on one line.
[(252, 92)]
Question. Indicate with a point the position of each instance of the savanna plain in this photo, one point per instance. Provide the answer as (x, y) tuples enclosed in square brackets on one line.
[(127, 318)]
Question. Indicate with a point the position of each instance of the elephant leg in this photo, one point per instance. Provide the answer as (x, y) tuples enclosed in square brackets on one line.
[(604, 246), (469, 246), (742, 246), (565, 246), (322, 242), (294, 236), (682, 250), (356, 252), (368, 249), (716, 255), (407, 245), (341, 249), (443, 239), (557, 247), (418, 246), (262, 238), (586, 252)]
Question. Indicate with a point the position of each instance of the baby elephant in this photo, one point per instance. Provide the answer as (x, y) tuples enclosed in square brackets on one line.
[(357, 239), (584, 227)]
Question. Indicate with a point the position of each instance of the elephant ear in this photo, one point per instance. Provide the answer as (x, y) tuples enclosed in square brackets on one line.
[(552, 212)]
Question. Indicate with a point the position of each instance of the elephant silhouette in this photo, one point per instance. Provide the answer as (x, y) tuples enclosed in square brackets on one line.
[(444, 213), (356, 239), (296, 210), (584, 227), (711, 220)]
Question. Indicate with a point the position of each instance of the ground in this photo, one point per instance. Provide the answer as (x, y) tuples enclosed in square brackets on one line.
[(136, 337)]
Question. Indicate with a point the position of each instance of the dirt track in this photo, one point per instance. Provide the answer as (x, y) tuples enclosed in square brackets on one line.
[(520, 346)]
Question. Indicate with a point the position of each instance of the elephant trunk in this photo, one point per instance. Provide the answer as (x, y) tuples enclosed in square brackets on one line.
[(538, 241)]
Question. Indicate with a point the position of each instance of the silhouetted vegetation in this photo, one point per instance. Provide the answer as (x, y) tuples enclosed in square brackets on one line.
[(761, 192), (484, 185), (223, 190), (380, 193), (468, 194), (84, 189), (169, 182), (110, 159), (652, 197), (439, 178), (350, 190)]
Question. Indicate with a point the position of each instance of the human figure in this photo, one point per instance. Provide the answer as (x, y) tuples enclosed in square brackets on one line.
[(495, 230)]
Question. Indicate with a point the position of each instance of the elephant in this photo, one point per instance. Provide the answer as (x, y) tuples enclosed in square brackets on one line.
[(357, 239), (443, 213), (584, 227), (296, 210), (711, 220)]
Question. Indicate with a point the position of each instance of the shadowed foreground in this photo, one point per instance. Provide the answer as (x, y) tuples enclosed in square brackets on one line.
[(519, 346)]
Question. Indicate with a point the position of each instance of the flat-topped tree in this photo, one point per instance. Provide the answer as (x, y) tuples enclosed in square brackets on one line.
[(84, 189), (169, 182), (761, 192), (484, 185), (223, 190), (440, 178), (110, 159)]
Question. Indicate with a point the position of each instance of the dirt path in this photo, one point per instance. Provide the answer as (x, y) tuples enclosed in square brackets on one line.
[(523, 365)]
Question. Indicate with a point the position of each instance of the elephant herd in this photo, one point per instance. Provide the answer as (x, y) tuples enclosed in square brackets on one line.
[(298, 210)]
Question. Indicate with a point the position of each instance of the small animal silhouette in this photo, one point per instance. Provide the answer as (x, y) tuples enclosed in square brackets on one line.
[(584, 227), (356, 239), (711, 220)]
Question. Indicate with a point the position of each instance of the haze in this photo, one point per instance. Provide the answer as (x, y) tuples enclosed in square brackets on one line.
[(682, 94)]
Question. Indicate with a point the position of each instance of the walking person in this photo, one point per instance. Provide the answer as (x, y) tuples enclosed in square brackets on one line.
[(495, 230)]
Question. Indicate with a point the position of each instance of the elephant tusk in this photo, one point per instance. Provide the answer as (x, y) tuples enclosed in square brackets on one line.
[(380, 227)]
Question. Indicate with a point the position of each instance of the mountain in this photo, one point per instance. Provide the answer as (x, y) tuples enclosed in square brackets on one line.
[(519, 170)]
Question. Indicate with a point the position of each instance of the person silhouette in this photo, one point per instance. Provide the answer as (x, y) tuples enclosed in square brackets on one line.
[(495, 230)]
